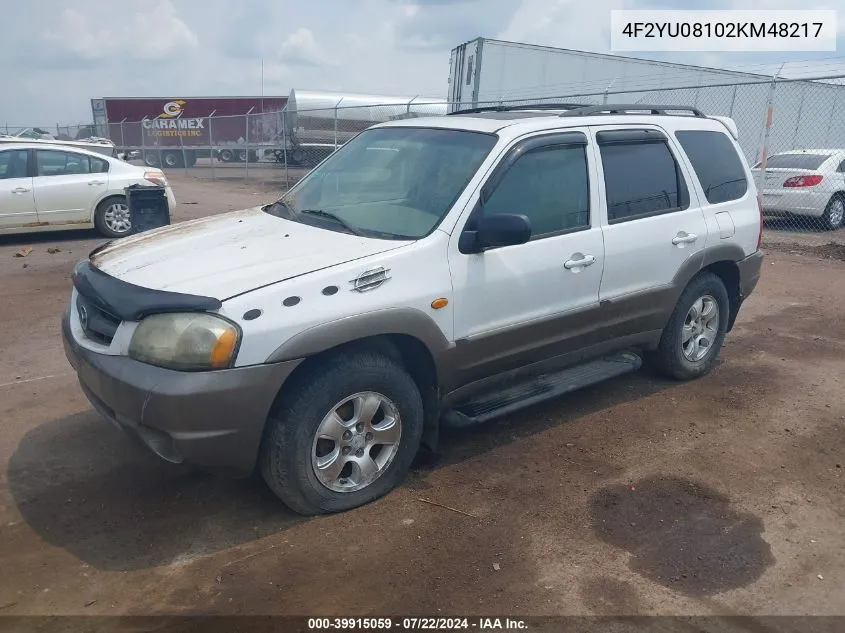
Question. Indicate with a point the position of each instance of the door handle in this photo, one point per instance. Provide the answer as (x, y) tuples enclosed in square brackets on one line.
[(20, 190), (579, 261), (683, 238), (92, 183)]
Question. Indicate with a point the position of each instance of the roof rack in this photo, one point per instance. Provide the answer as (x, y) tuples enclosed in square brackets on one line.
[(632, 108), (528, 106)]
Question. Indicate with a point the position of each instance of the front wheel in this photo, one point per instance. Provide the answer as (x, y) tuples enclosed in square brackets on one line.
[(344, 435), (693, 336)]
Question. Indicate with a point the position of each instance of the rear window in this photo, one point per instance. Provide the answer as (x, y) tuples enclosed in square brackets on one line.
[(716, 163), (796, 161)]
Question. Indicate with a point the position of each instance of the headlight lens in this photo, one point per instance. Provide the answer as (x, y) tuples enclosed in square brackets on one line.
[(190, 341)]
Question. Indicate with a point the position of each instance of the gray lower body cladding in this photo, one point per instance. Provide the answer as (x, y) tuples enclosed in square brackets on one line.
[(212, 420)]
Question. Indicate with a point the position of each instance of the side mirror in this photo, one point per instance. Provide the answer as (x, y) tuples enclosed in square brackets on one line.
[(502, 229)]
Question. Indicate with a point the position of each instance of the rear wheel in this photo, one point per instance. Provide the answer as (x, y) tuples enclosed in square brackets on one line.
[(345, 435), (834, 213), (226, 155), (151, 159), (693, 336), (112, 217)]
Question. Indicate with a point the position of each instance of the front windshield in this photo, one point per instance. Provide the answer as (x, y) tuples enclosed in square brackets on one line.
[(393, 183)]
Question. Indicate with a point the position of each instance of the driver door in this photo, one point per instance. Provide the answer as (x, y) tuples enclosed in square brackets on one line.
[(524, 303)]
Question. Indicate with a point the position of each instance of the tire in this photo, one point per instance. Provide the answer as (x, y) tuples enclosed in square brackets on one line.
[(242, 156), (108, 225), (291, 447), (172, 160), (671, 357), (151, 159), (834, 213), (226, 156)]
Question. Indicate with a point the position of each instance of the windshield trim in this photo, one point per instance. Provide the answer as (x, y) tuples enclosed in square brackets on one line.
[(449, 207)]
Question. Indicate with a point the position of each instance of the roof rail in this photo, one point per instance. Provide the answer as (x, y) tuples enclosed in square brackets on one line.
[(632, 108), (527, 106)]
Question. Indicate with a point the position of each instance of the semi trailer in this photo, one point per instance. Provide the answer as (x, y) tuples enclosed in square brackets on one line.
[(299, 129), (174, 132)]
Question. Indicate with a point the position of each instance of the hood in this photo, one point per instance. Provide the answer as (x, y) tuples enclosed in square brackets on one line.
[(225, 255)]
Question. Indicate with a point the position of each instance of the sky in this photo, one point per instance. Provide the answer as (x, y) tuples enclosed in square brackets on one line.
[(55, 55)]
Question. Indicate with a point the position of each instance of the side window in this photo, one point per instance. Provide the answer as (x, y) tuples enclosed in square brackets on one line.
[(641, 177), (98, 165), (14, 163), (548, 185), (716, 164), (54, 163), (841, 168)]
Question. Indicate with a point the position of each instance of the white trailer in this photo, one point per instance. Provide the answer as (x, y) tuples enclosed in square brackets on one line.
[(806, 113), (317, 123)]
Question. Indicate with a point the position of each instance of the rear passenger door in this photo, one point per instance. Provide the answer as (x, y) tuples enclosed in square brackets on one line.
[(68, 185), (652, 223)]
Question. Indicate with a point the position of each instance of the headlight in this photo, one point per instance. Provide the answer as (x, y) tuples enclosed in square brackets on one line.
[(187, 341)]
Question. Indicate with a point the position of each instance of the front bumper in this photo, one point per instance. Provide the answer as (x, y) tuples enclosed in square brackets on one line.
[(213, 420)]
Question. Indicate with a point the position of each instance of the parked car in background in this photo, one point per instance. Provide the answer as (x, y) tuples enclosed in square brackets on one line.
[(47, 187), (805, 182)]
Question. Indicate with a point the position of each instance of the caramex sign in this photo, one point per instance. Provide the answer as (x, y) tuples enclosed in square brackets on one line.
[(171, 123)]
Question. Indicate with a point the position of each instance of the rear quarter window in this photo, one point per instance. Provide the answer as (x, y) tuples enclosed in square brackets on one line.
[(716, 164)]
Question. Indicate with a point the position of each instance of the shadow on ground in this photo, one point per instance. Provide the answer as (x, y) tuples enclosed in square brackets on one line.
[(83, 486), (44, 237)]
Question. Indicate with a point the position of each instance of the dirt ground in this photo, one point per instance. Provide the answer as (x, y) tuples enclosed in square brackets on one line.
[(638, 496)]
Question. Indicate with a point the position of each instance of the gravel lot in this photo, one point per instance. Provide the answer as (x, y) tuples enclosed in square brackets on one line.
[(637, 496)]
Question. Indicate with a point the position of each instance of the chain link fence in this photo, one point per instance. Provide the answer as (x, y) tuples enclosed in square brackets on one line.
[(791, 131)]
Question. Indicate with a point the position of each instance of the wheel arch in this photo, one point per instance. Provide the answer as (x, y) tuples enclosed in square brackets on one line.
[(103, 200), (408, 336), (721, 260), (728, 272)]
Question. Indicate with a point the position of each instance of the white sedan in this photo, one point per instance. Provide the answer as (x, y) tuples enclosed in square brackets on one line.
[(47, 187), (807, 182)]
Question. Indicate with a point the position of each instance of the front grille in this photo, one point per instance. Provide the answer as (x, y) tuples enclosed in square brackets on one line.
[(97, 324)]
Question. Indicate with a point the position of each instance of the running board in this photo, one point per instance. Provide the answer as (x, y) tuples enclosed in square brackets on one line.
[(536, 389)]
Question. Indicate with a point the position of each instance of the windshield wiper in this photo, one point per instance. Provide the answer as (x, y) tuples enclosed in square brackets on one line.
[(331, 216)]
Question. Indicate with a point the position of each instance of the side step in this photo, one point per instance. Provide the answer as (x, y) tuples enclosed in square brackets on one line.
[(536, 389)]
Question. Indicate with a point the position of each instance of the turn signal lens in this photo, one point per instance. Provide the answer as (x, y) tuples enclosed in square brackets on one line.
[(442, 302), (224, 349)]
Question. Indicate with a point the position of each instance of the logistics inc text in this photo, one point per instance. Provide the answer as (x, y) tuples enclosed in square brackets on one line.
[(417, 624), (723, 29)]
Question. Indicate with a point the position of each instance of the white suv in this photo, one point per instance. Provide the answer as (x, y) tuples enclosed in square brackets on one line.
[(442, 269)]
